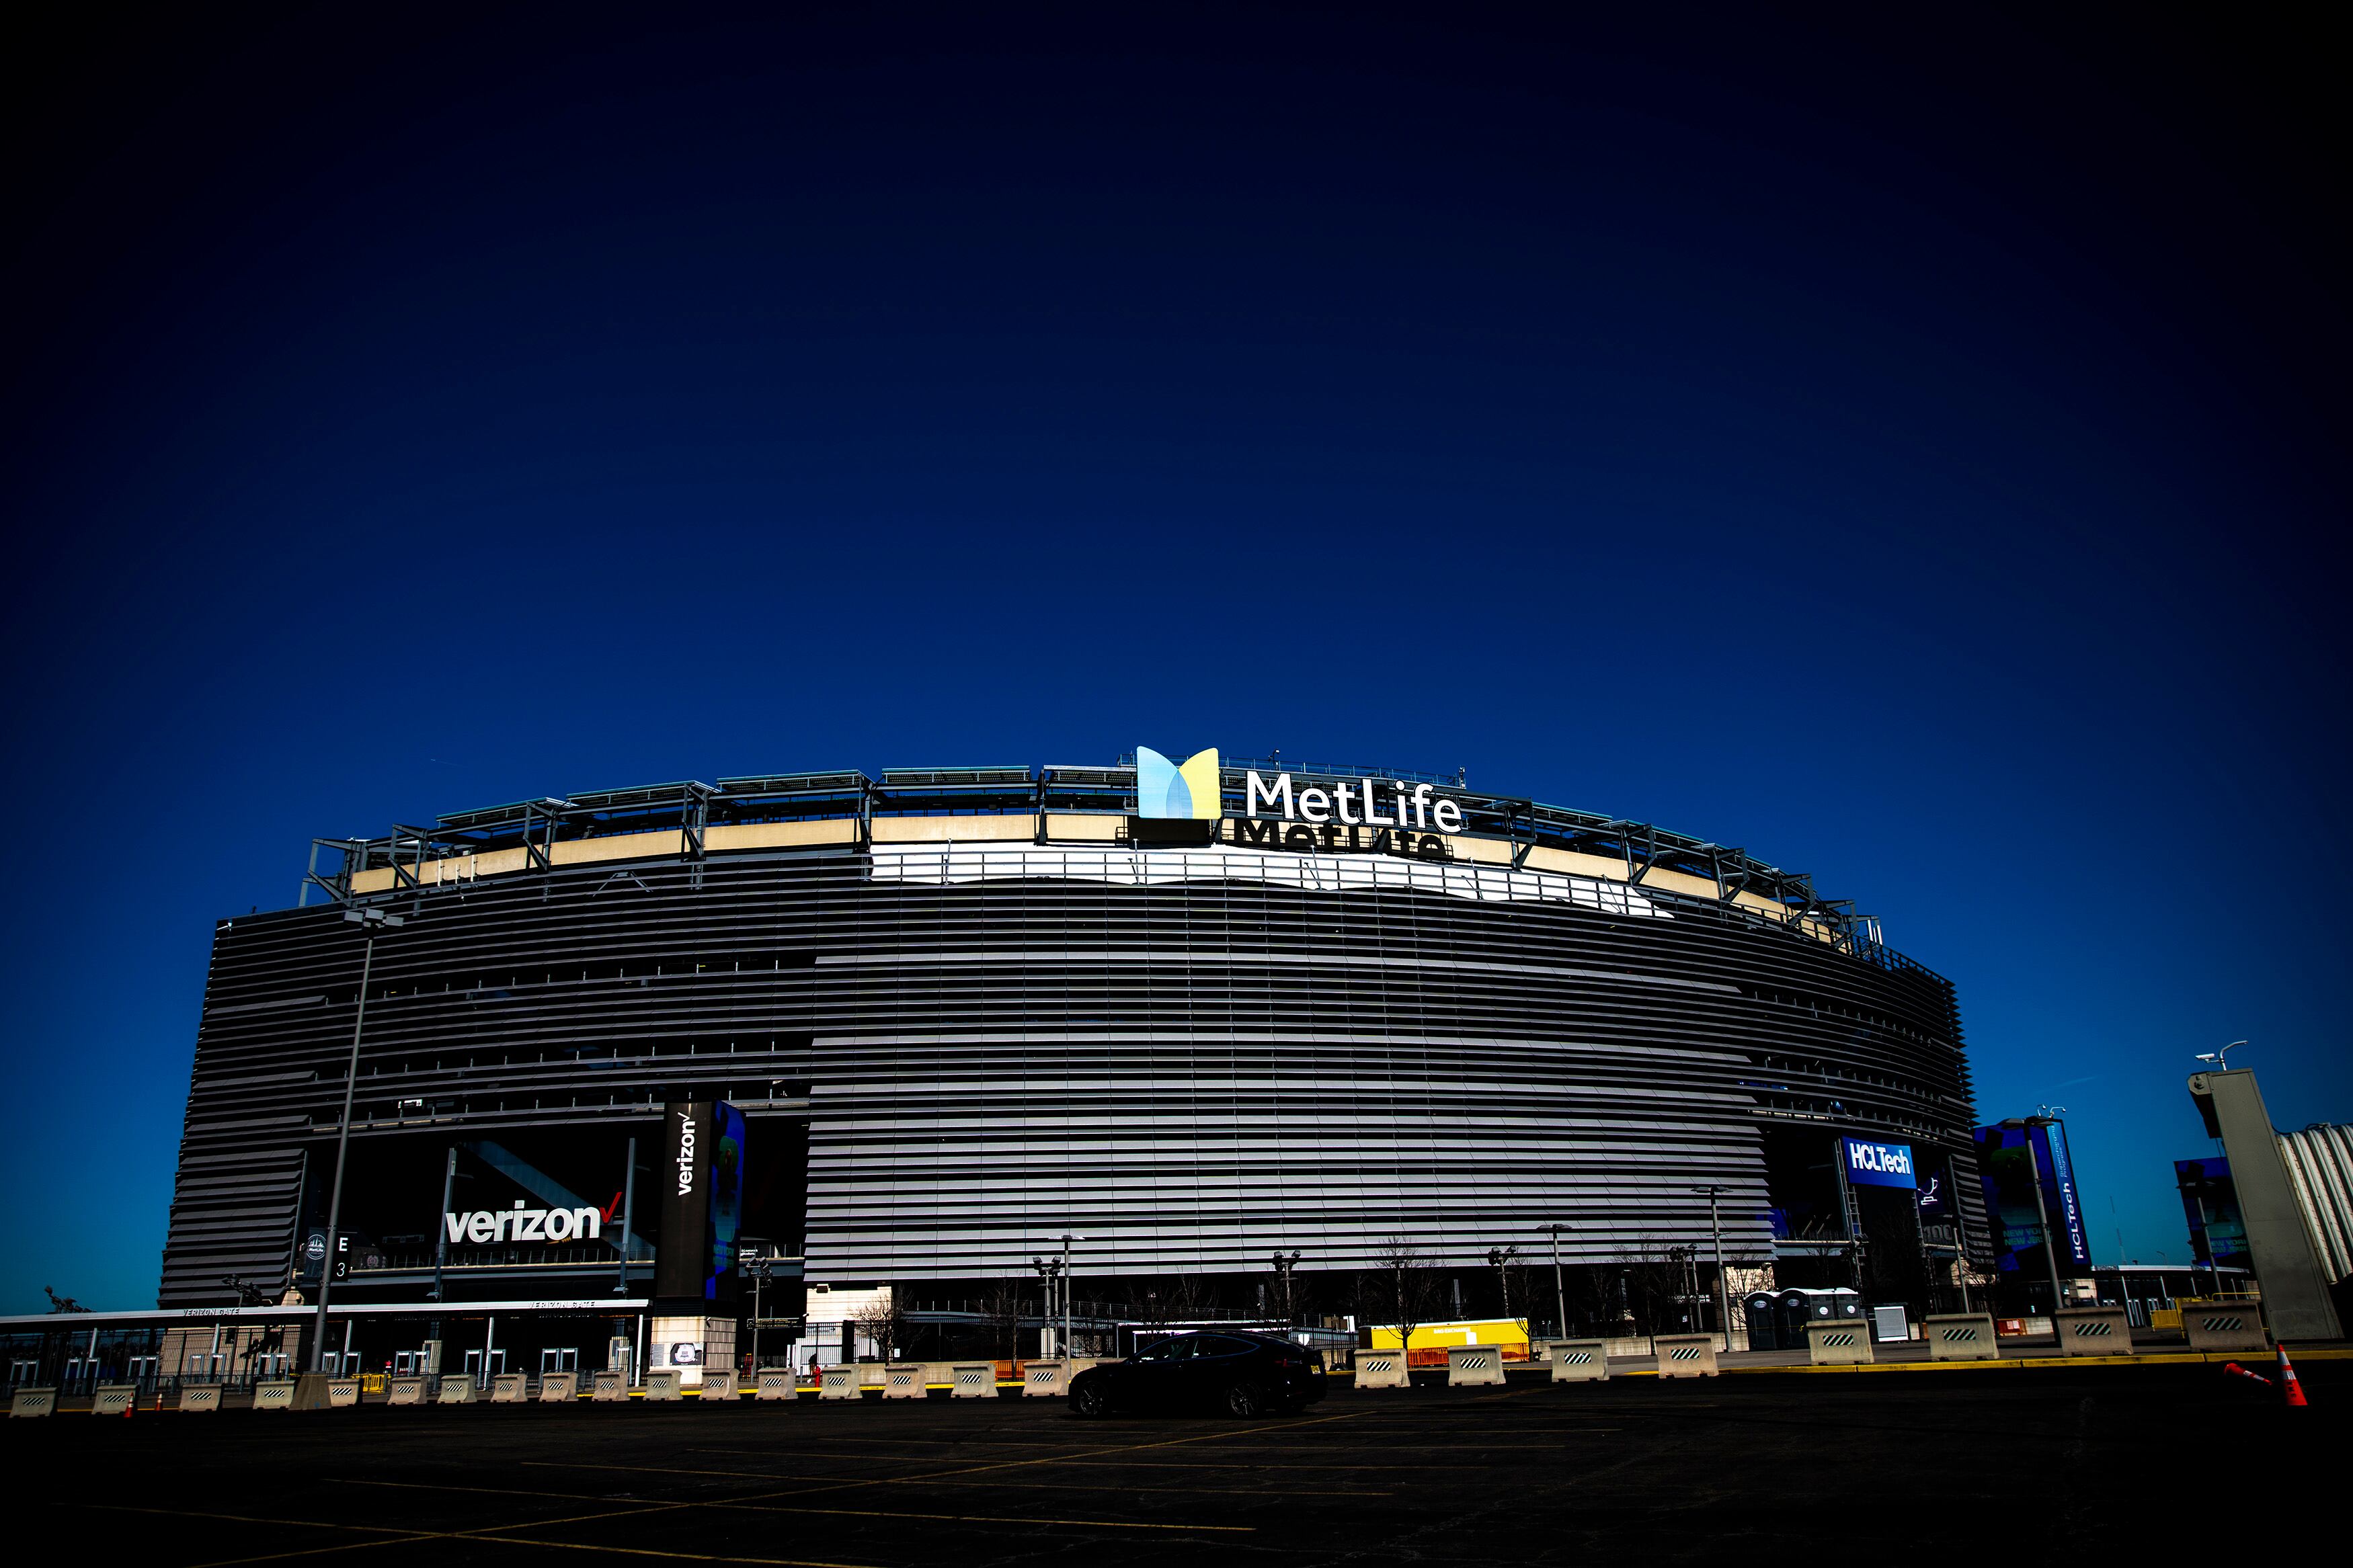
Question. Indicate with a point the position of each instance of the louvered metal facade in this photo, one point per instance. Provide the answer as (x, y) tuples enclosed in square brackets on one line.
[(1193, 1056)]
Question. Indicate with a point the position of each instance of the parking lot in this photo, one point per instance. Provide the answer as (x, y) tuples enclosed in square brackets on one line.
[(1529, 1473)]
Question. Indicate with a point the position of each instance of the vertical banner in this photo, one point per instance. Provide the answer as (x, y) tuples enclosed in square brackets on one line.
[(2059, 1176), (2007, 1173), (725, 1213), (683, 1170)]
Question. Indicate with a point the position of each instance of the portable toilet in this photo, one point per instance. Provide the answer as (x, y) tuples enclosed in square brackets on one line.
[(1764, 1326), (1800, 1306)]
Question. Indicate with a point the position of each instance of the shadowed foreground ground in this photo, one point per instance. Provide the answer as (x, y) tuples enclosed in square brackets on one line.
[(1941, 1463)]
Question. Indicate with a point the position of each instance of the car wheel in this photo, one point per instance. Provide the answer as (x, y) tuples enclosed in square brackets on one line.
[(1245, 1400), (1088, 1401)]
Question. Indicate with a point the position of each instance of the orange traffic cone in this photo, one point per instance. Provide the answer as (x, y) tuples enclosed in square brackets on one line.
[(2288, 1384), (2237, 1370)]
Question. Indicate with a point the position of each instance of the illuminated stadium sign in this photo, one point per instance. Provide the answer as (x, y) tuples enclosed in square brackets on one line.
[(520, 1224), (1192, 790), (1357, 804), (1187, 790), (1878, 1165)]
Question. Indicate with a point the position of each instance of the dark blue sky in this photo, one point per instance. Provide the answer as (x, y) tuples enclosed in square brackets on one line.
[(1916, 458)]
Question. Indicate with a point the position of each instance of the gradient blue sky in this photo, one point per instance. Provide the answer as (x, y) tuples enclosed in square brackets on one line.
[(1916, 458)]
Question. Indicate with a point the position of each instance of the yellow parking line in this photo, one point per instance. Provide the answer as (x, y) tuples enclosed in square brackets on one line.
[(943, 1479), (784, 1508), (393, 1535)]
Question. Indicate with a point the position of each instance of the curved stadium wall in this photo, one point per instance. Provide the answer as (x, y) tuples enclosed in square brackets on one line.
[(999, 1007)]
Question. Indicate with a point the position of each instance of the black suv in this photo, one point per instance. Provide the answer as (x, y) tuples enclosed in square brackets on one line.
[(1241, 1374)]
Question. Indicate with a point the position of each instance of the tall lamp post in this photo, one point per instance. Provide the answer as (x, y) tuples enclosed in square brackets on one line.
[(1559, 1291), (1048, 1270), (1283, 1264), (1723, 1289), (1499, 1258), (371, 920)]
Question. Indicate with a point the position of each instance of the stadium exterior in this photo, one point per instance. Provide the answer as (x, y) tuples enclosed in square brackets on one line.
[(966, 1012)]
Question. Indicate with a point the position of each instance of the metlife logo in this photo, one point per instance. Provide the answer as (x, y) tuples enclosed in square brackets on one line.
[(1357, 803)]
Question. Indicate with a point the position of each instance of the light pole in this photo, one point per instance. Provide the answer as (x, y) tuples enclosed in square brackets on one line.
[(372, 920), (1723, 1290), (1048, 1270), (1500, 1260), (441, 1236), (1559, 1291), (2198, 1186), (1065, 1346), (760, 1271), (2041, 1211), (2221, 1058), (1283, 1264)]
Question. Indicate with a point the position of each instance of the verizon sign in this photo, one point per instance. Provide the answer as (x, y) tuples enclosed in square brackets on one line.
[(486, 1227)]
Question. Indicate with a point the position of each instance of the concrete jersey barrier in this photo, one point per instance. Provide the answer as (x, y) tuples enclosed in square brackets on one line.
[(838, 1382), (1961, 1336), (2232, 1328), (1382, 1369), (609, 1387), (457, 1388), (405, 1391), (199, 1396), (720, 1387), (1685, 1355), (114, 1399), (907, 1379), (1044, 1379), (667, 1383), (510, 1388), (33, 1401), (2094, 1331), (343, 1393), (1474, 1366), (972, 1380), (1578, 1360), (276, 1395), (558, 1387), (776, 1384), (1839, 1342)]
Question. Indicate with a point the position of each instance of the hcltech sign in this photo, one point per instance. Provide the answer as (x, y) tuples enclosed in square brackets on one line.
[(1878, 1165)]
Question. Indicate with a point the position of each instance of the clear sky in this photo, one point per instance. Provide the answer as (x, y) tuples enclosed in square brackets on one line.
[(1914, 457)]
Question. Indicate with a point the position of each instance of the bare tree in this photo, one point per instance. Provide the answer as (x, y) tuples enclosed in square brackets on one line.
[(885, 1323), (1399, 1291), (1660, 1284), (1188, 1299), (1001, 1309)]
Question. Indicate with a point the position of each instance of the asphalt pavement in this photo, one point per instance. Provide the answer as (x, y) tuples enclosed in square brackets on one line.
[(1999, 1462)]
